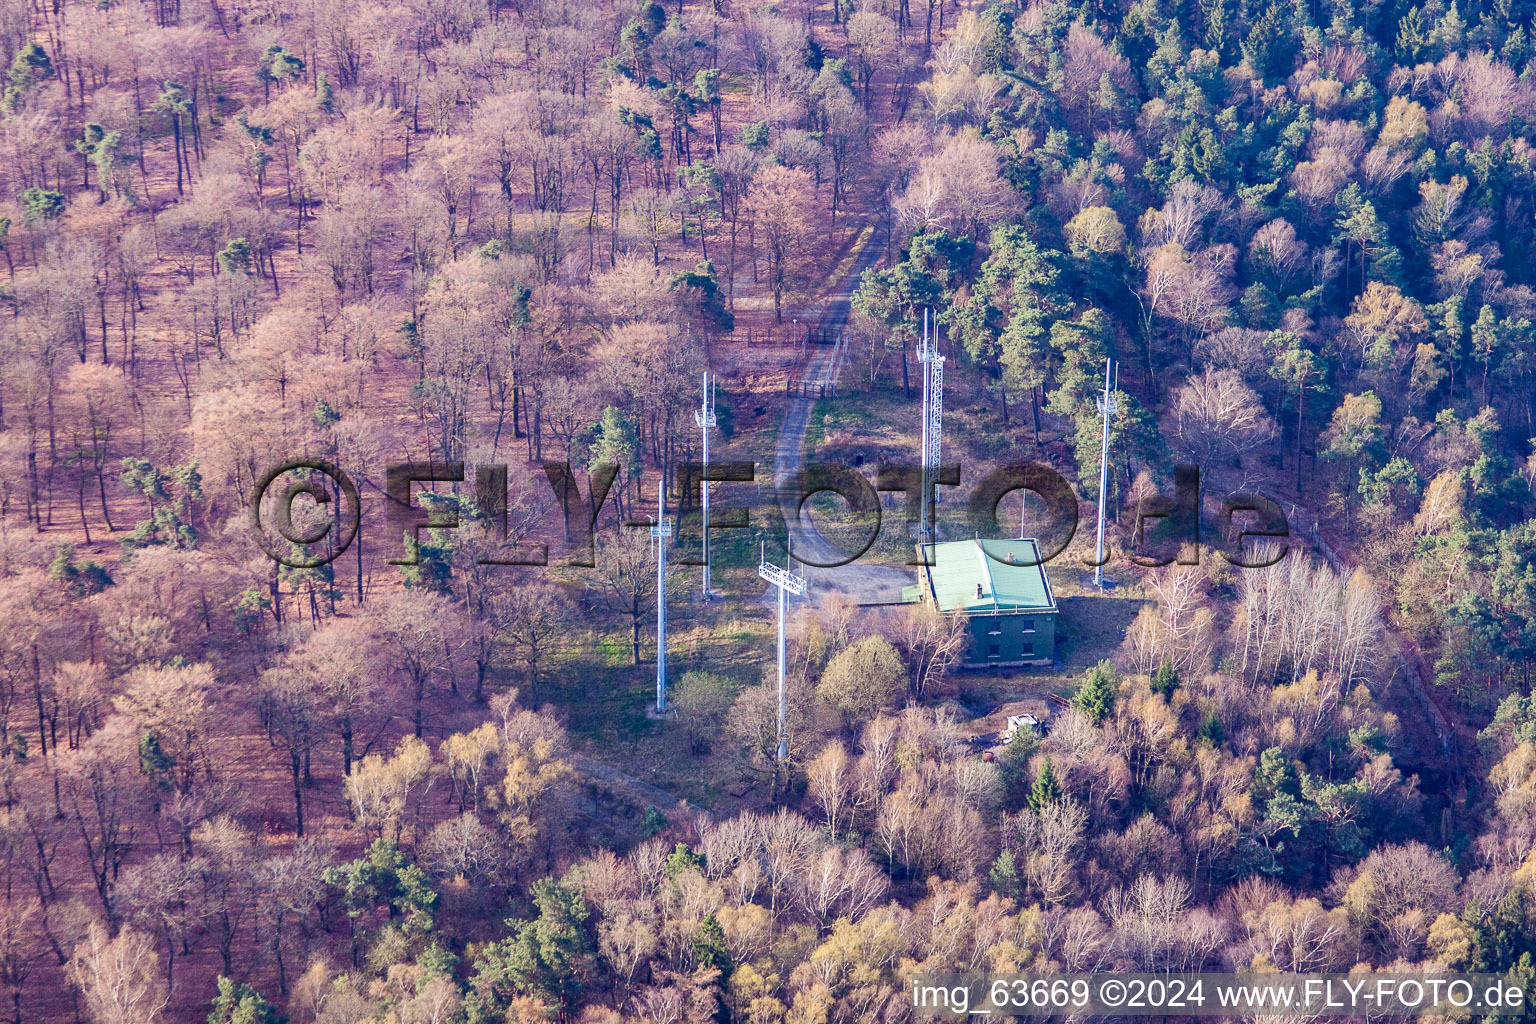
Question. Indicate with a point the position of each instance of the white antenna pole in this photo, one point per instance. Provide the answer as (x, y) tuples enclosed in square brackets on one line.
[(705, 417), (781, 751), (788, 583), (659, 534), (1107, 403)]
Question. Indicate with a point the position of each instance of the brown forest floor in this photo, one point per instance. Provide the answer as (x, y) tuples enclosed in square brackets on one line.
[(753, 362)]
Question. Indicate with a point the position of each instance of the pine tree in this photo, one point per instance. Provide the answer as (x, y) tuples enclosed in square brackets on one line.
[(1046, 789), (277, 66), (1212, 731), (175, 104), (1096, 698), (681, 859), (30, 66), (1449, 36), (80, 579), (1004, 876), (1410, 36), (616, 441), (1005, 322), (241, 1004), (39, 204), (1486, 339), (235, 258), (385, 877), (1269, 48), (1013, 767), (1297, 366), (709, 951), (1216, 15), (706, 90), (1275, 775), (155, 763), (1359, 223), (1165, 60), (548, 957), (927, 276)]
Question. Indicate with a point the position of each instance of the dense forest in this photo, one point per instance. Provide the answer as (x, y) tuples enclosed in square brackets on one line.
[(417, 785)]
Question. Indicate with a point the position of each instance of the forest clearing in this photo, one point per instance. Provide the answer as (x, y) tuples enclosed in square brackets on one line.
[(464, 760)]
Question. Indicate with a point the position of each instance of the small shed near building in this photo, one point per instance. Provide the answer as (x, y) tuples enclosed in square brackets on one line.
[(1002, 589), (1029, 723)]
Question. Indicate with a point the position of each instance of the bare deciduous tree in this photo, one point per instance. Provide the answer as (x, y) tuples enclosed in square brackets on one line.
[(1298, 616), (1216, 415), (932, 642), (779, 205), (118, 977)]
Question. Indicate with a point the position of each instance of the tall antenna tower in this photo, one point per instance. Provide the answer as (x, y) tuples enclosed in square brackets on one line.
[(933, 425), (659, 534), (788, 583), (1108, 401), (704, 416)]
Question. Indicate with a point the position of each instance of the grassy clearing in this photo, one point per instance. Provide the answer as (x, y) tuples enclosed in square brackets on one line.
[(1093, 628), (602, 697)]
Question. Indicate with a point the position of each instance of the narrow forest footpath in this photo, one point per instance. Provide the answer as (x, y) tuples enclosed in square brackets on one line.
[(862, 582), (639, 788)]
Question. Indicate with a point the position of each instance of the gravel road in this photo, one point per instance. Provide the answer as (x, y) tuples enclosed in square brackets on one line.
[(862, 581)]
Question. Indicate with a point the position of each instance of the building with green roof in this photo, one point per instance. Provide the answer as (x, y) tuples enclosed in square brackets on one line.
[(1002, 589)]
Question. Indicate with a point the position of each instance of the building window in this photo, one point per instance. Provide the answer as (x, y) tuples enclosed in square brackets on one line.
[(1026, 625), (992, 650)]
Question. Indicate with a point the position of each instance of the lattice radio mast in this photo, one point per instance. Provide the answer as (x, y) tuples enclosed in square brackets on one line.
[(933, 425)]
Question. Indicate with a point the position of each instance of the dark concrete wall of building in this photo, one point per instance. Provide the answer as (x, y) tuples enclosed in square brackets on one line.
[(1011, 638)]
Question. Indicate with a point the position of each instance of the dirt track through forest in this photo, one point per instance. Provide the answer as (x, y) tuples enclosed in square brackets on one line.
[(862, 582)]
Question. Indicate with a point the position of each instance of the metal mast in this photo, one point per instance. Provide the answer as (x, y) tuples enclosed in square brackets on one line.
[(704, 416), (922, 360), (1107, 402), (659, 534), (933, 425), (788, 583)]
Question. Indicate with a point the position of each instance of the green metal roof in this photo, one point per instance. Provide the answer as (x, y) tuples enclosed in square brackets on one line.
[(1008, 572)]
